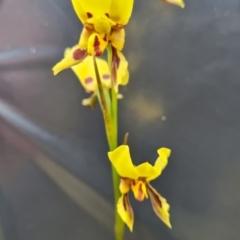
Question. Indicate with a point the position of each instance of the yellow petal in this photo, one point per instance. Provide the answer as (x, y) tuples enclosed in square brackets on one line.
[(146, 170), (160, 205), (122, 162), (160, 163), (87, 76), (79, 11), (125, 211), (162, 160), (97, 44), (179, 3), (117, 39), (139, 190), (125, 79), (73, 56), (97, 8), (125, 185), (122, 71), (121, 10), (83, 42), (120, 74)]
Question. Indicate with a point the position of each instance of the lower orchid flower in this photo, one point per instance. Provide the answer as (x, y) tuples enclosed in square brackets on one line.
[(137, 178)]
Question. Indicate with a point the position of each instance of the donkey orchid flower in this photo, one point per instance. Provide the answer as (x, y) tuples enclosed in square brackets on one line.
[(179, 3), (137, 178), (85, 72), (103, 23)]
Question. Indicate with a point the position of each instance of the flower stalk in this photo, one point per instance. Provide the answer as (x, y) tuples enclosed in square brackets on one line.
[(109, 110)]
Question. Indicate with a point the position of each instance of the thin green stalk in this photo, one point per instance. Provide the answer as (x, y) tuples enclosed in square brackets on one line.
[(105, 108), (110, 120), (113, 94), (119, 225)]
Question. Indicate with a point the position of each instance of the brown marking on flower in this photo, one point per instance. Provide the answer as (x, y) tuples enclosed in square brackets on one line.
[(158, 200), (155, 196), (107, 15), (125, 202), (115, 65), (117, 27), (88, 80), (89, 15), (106, 76), (88, 26), (79, 54), (140, 196), (105, 37), (116, 58), (96, 46)]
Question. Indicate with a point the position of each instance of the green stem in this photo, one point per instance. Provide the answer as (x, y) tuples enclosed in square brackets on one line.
[(113, 94), (119, 225), (109, 110)]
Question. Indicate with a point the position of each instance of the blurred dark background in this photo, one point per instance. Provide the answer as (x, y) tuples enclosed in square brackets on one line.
[(184, 89)]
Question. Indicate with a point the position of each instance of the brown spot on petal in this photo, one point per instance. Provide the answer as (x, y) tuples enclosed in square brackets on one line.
[(88, 26), (96, 46), (105, 37), (88, 80), (116, 58), (117, 27), (107, 15), (89, 15), (79, 54), (115, 65), (125, 202), (106, 76), (158, 200)]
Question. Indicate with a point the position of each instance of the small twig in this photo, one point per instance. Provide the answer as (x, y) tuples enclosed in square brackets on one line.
[(125, 139)]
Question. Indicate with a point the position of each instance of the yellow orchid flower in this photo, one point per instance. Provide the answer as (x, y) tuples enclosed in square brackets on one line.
[(85, 72), (137, 178), (103, 24), (179, 3)]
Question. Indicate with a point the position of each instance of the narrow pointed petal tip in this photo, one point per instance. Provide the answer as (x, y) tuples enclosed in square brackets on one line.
[(56, 69), (125, 211), (160, 205), (179, 3)]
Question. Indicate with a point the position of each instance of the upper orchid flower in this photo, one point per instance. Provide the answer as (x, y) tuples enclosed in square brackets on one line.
[(137, 179), (103, 23)]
